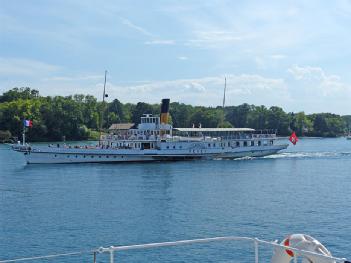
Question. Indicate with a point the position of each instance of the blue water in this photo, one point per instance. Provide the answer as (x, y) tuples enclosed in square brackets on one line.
[(48, 209)]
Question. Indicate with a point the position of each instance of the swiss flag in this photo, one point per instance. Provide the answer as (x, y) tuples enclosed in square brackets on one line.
[(293, 138)]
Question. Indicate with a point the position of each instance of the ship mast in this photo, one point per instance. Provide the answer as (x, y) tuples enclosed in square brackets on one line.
[(223, 104), (225, 88), (104, 95)]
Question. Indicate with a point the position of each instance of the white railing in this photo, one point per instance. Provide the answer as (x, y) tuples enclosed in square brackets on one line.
[(112, 250)]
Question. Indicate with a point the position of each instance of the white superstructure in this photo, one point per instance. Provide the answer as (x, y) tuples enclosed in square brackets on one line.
[(156, 140)]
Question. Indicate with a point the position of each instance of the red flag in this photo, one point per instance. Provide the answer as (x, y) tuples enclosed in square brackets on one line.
[(293, 138)]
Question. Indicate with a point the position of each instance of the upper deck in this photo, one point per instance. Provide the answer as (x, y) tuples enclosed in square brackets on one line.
[(150, 129)]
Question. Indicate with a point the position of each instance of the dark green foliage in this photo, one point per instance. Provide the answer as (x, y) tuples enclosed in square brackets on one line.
[(328, 125), (78, 117), (5, 136), (19, 93)]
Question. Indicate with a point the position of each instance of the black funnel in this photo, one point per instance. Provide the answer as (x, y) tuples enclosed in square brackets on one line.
[(165, 105)]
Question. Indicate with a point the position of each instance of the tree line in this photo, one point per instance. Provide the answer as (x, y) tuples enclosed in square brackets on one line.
[(79, 117)]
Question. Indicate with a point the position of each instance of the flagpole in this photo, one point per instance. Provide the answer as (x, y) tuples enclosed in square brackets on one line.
[(24, 133)]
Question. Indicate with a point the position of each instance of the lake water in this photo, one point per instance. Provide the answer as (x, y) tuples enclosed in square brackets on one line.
[(48, 209)]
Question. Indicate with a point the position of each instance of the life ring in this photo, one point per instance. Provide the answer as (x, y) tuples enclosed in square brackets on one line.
[(302, 242)]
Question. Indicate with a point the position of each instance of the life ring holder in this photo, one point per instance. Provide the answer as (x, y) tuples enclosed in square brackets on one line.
[(301, 242)]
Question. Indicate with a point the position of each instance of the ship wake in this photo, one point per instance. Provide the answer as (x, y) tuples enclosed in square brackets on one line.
[(307, 155)]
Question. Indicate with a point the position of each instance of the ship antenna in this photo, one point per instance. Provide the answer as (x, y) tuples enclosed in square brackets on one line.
[(104, 95)]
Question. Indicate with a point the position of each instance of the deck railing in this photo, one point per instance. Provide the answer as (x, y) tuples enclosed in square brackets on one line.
[(113, 250)]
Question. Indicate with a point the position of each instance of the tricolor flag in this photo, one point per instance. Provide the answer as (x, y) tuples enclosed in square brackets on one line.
[(27, 123), (293, 138)]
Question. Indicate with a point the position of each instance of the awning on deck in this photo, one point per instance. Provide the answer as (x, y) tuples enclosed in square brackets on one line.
[(214, 129)]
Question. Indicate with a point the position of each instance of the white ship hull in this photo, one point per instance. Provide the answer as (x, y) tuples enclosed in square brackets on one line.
[(42, 155)]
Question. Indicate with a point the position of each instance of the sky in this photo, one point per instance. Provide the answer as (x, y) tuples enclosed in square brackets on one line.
[(291, 54)]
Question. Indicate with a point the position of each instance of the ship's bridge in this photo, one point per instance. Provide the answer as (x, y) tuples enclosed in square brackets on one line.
[(150, 122)]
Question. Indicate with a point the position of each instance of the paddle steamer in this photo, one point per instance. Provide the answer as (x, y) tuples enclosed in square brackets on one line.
[(154, 139)]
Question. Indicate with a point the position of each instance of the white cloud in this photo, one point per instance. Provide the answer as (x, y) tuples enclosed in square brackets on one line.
[(278, 56), (139, 29), (194, 87), (210, 38), (316, 79), (155, 40), (260, 63), (160, 42), (183, 58), (74, 78), (25, 67), (207, 91)]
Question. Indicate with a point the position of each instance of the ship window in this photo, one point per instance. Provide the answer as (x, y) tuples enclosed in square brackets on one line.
[(252, 143), (99, 156), (115, 156), (76, 156), (245, 143), (209, 145), (259, 143), (214, 145), (167, 147), (173, 146), (55, 155), (228, 144), (237, 144), (271, 142), (84, 156), (92, 156), (180, 147)]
